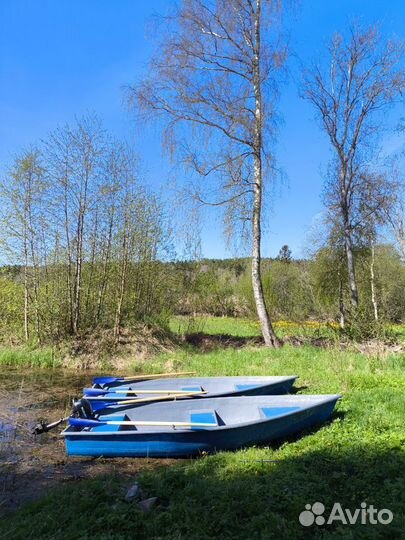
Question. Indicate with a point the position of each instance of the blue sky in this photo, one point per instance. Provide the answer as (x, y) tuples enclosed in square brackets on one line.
[(60, 59)]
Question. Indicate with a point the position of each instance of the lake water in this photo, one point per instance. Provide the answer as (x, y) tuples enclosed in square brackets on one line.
[(30, 464)]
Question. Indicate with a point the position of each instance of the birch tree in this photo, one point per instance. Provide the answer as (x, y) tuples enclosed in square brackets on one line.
[(22, 197), (351, 94), (214, 85)]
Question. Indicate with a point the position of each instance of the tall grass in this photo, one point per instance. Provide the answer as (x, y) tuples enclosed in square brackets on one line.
[(29, 358)]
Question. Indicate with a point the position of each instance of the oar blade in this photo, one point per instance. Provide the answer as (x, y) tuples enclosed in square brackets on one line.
[(100, 405), (95, 392), (106, 380), (84, 422)]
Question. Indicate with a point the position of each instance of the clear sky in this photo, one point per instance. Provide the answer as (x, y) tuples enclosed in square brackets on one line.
[(62, 58)]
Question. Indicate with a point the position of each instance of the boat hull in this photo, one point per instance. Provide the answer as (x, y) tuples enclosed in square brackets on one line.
[(183, 443)]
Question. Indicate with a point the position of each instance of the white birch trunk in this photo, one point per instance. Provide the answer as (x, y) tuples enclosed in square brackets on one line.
[(269, 335)]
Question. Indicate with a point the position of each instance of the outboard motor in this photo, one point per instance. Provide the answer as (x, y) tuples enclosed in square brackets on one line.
[(82, 408)]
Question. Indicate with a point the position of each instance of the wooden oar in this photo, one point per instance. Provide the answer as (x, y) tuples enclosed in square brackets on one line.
[(85, 422), (109, 380), (141, 400), (99, 403), (89, 392)]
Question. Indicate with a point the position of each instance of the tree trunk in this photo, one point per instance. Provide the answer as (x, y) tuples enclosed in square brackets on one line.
[(350, 261), (26, 299), (104, 278), (341, 304), (79, 251), (26, 286), (372, 283), (91, 264), (118, 312), (269, 335), (78, 275), (34, 263), (69, 291)]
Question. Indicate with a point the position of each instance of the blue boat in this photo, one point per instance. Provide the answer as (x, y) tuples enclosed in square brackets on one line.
[(196, 387), (190, 427)]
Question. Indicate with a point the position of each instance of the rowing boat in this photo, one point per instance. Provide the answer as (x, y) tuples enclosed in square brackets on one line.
[(190, 427), (206, 387)]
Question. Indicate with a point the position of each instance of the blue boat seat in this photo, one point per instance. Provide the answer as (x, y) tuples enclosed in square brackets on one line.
[(191, 388), (272, 412), (107, 427), (240, 387), (204, 416)]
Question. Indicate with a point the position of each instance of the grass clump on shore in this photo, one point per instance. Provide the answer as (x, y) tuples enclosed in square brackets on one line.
[(26, 357)]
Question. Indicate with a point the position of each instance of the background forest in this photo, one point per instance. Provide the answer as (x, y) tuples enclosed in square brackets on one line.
[(94, 248)]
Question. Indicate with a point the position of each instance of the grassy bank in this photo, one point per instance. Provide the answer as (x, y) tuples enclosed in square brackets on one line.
[(29, 357), (256, 493), (99, 351)]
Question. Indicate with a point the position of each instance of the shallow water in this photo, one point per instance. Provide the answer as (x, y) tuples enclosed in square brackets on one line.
[(25, 398), (28, 396), (30, 464)]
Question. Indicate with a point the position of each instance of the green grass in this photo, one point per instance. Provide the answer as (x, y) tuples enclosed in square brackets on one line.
[(215, 326), (256, 493), (249, 328), (28, 358)]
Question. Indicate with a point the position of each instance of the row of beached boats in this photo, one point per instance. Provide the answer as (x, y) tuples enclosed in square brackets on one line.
[(163, 416)]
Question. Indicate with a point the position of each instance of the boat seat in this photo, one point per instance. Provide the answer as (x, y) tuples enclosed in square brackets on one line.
[(107, 427), (204, 416), (192, 388), (272, 412), (240, 387)]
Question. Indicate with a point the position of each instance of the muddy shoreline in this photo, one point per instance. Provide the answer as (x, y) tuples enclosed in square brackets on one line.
[(31, 464)]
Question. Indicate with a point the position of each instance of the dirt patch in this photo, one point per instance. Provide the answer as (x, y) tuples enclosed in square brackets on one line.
[(379, 348), (103, 349), (208, 342), (372, 348)]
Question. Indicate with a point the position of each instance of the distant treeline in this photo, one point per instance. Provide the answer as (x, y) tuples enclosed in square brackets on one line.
[(154, 290), (297, 290)]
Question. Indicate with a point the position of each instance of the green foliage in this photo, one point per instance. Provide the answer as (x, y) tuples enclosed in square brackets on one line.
[(288, 290), (298, 291), (210, 288), (390, 278), (215, 326), (361, 325), (87, 235), (328, 273), (11, 306)]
